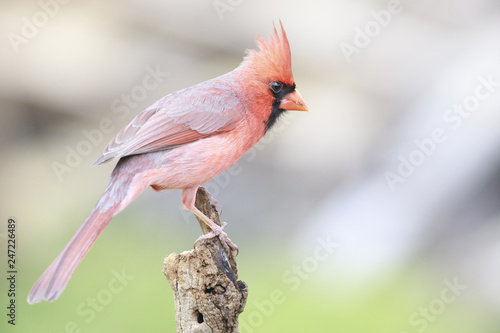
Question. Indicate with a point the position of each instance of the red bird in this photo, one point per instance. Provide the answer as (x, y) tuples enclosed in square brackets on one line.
[(182, 141)]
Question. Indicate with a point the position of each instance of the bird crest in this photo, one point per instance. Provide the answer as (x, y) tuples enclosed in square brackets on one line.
[(273, 60)]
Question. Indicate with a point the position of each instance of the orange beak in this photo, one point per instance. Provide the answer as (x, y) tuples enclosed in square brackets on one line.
[(293, 102)]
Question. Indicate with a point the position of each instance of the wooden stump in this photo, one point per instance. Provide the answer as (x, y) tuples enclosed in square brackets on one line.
[(208, 296)]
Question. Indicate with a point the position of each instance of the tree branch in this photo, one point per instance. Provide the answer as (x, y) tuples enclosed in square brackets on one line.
[(208, 296)]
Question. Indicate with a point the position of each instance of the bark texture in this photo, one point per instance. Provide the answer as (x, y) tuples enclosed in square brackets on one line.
[(208, 296)]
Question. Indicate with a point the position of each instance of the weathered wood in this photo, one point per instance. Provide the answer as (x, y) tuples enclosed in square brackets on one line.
[(208, 297)]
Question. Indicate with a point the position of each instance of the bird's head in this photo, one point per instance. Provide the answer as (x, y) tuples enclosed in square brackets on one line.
[(270, 74)]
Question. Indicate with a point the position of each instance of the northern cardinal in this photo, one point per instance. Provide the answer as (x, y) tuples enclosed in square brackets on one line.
[(183, 140)]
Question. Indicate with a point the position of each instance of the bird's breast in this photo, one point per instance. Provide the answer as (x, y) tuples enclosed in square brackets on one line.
[(196, 163)]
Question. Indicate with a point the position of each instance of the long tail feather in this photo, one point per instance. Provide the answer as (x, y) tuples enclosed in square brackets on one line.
[(53, 281), (123, 188)]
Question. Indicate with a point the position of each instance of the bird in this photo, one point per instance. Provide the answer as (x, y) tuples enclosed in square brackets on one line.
[(182, 141)]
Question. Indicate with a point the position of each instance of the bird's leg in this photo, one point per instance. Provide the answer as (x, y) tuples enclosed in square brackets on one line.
[(188, 200), (216, 231)]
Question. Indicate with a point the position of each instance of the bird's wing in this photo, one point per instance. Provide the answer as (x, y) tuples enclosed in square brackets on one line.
[(176, 119)]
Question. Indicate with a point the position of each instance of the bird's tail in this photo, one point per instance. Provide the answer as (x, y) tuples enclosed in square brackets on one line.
[(53, 281)]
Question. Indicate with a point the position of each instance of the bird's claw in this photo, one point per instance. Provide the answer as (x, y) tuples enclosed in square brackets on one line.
[(219, 232)]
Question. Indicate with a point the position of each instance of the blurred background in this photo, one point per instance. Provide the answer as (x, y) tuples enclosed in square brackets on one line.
[(377, 211)]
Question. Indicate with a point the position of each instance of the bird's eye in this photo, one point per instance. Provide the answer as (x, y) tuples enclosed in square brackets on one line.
[(276, 86)]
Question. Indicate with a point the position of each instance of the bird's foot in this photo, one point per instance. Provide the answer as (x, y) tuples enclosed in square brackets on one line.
[(219, 232)]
